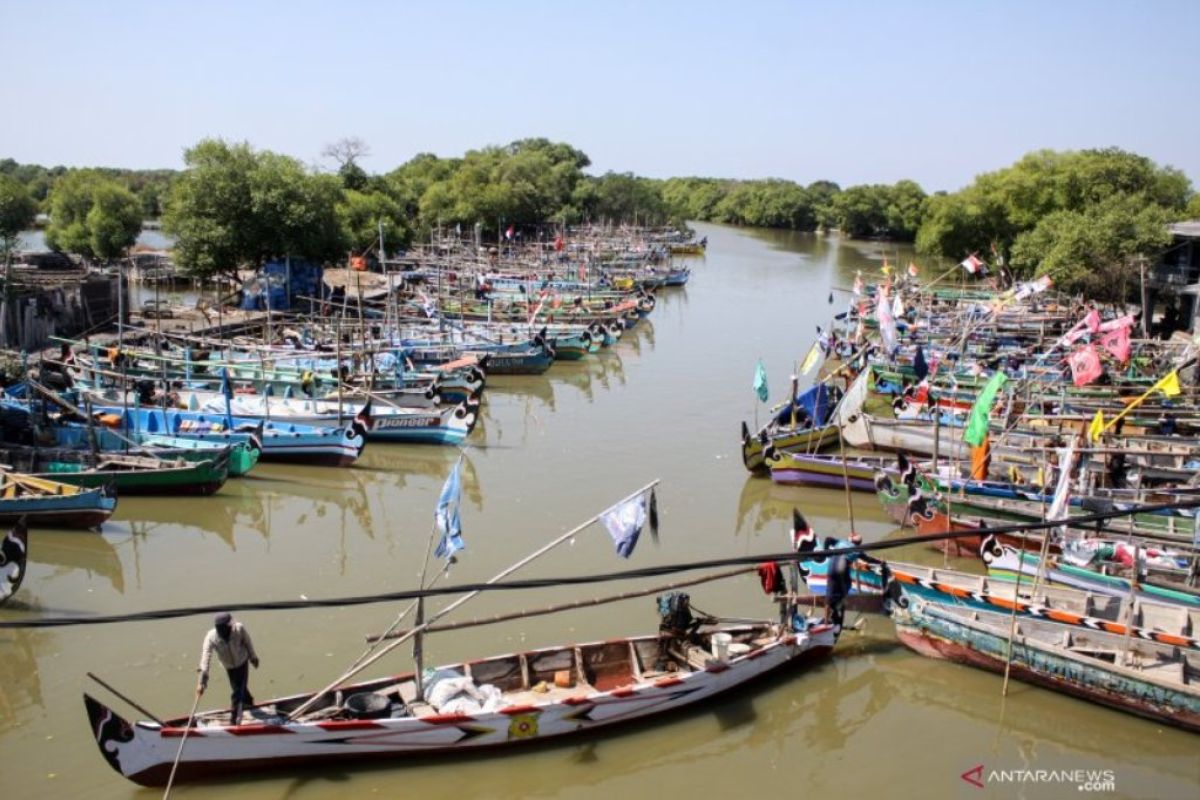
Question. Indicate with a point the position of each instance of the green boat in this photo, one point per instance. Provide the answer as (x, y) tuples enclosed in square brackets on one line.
[(127, 474)]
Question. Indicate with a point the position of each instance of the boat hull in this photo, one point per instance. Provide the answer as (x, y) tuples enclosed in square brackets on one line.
[(938, 637), (144, 752)]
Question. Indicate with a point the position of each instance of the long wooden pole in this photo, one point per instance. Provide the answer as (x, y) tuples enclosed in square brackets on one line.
[(504, 573), (98, 680), (575, 604), (182, 742), (1012, 623)]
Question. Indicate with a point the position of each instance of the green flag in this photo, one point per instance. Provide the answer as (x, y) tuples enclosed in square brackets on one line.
[(977, 424), (760, 381)]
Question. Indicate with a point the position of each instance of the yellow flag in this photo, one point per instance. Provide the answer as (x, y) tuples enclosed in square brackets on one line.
[(1169, 385), (810, 360), (886, 269), (1097, 427)]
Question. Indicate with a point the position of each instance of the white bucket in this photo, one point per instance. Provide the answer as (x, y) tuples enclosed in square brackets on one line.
[(720, 645)]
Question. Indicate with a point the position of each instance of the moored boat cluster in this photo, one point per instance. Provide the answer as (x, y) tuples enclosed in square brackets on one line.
[(1048, 437)]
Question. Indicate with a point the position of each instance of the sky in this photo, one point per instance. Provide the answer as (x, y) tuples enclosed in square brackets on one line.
[(855, 92)]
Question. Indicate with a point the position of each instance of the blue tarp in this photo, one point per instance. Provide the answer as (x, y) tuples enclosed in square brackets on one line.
[(815, 401), (304, 278)]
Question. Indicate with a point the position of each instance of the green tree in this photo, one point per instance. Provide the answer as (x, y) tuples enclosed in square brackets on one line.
[(1192, 211), (1094, 249), (904, 210), (620, 197), (361, 213), (17, 211), (526, 182), (1041, 207), (821, 195), (92, 215), (234, 205)]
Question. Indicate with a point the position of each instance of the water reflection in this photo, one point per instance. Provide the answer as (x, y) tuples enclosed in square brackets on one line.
[(20, 681), (93, 554)]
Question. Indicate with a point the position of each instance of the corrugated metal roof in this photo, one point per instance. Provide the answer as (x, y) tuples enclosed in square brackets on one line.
[(1189, 228)]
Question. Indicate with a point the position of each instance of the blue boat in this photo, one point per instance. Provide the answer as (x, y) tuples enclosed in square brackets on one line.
[(290, 442)]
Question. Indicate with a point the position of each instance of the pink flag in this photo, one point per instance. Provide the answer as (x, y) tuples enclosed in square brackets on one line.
[(1085, 365), (508, 234), (1120, 322), (1117, 343), (1089, 324)]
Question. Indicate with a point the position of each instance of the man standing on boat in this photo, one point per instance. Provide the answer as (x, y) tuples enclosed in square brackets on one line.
[(231, 642)]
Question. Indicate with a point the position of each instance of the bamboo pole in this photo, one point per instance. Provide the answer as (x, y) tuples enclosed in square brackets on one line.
[(571, 606), (182, 742), (94, 677), (1012, 623)]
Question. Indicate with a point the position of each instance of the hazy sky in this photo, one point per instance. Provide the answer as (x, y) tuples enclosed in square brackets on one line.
[(851, 91)]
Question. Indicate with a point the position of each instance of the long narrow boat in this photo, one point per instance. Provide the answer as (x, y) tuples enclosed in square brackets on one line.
[(242, 456), (127, 474), (1004, 561), (801, 424), (50, 503), (1157, 619), (1153, 680), (450, 425), (290, 442), (528, 697), (14, 551), (813, 469)]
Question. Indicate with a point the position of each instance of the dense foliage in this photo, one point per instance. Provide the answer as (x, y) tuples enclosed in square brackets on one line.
[(148, 185), (1081, 217), (17, 210), (235, 205), (92, 215)]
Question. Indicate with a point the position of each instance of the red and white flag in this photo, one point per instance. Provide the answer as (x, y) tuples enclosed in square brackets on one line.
[(972, 264), (912, 269), (1085, 366), (508, 234), (1117, 343)]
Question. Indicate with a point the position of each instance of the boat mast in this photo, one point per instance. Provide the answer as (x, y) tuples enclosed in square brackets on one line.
[(504, 573)]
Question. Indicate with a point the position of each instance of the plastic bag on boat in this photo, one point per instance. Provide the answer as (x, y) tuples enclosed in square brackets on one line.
[(451, 692)]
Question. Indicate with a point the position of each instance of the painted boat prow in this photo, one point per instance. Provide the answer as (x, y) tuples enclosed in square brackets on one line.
[(14, 552)]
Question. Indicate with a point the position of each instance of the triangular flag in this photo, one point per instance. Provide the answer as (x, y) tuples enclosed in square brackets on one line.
[(1097, 427), (1169, 385), (810, 360)]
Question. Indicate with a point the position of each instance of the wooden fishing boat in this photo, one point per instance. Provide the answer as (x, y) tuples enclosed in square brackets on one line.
[(126, 474), (811, 469), (48, 503), (755, 448), (14, 551), (1153, 619), (534, 696), (290, 442), (1004, 561), (801, 424), (242, 455), (449, 425), (1147, 678)]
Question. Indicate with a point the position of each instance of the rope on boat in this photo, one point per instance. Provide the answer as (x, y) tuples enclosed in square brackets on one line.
[(580, 580)]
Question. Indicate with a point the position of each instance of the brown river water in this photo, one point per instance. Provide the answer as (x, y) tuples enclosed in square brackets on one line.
[(666, 402)]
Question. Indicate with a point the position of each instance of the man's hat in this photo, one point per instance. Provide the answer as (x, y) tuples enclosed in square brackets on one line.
[(224, 618)]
